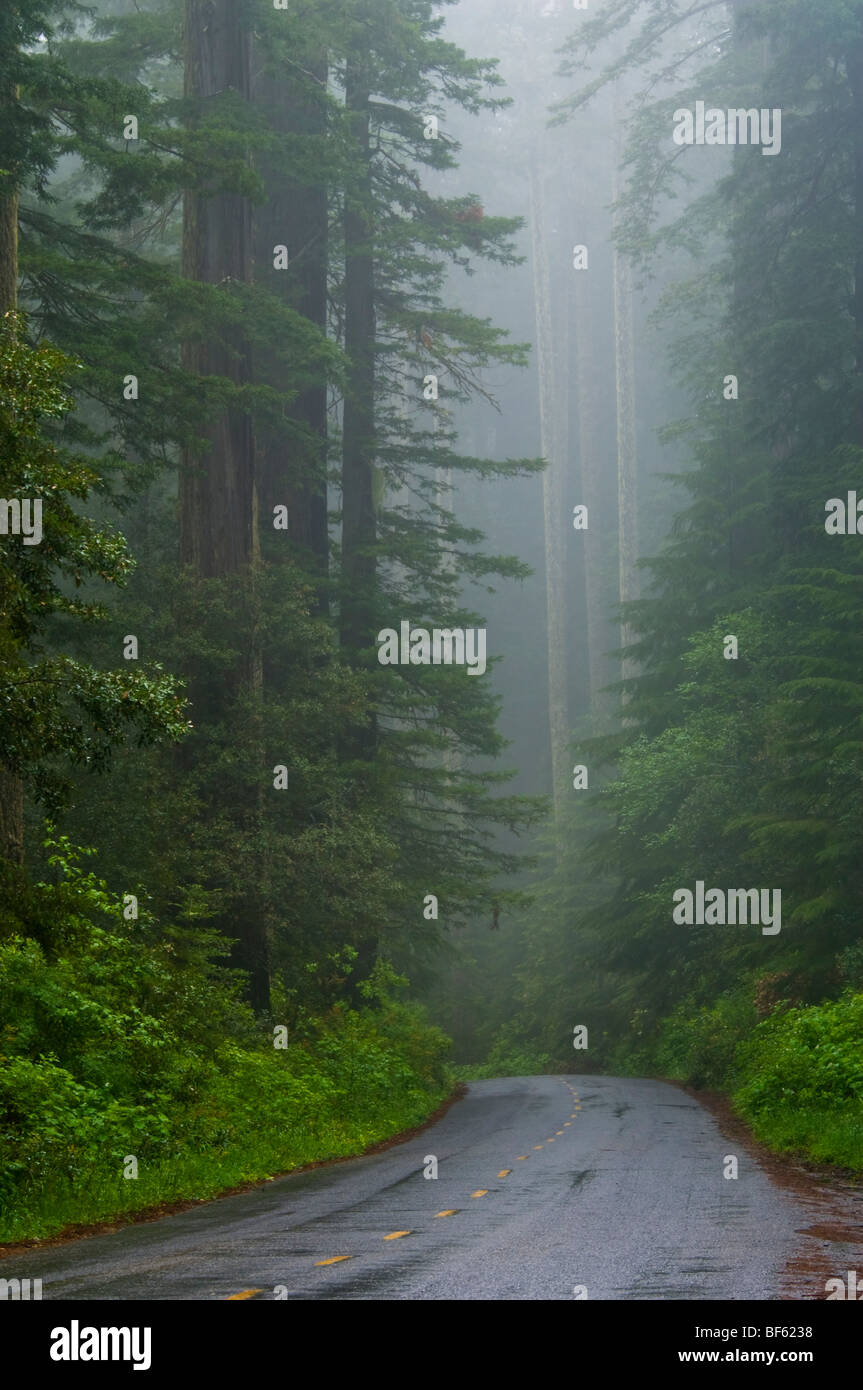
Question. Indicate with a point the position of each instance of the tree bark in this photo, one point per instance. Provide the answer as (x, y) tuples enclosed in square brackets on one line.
[(11, 785), (627, 459), (357, 629), (552, 366), (359, 530), (292, 470), (590, 468), (855, 78), (218, 500), (217, 484), (8, 251)]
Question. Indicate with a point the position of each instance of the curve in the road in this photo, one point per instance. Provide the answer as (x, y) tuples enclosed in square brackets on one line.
[(633, 1204)]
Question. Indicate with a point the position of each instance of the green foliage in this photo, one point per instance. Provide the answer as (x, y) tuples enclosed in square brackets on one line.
[(699, 1044), (508, 1059), (37, 578), (137, 1031), (130, 1038), (56, 710), (803, 1057), (801, 1081)]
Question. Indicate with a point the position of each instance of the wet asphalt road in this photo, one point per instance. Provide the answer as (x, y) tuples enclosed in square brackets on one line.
[(545, 1184)]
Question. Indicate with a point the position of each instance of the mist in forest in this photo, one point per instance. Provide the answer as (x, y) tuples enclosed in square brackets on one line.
[(431, 596)]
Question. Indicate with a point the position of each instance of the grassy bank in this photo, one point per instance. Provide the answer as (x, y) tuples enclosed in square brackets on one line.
[(364, 1078), (799, 1082), (795, 1077), (133, 1075)]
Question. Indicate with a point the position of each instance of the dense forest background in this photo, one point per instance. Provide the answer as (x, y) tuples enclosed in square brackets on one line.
[(324, 317)]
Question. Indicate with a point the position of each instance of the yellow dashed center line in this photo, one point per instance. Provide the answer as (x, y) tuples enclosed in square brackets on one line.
[(451, 1211), (246, 1293)]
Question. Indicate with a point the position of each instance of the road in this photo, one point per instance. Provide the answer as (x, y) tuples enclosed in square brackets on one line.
[(547, 1188)]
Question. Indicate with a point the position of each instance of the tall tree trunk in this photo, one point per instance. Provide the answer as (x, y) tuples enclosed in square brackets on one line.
[(590, 468), (218, 502), (291, 457), (359, 531), (11, 786), (8, 251), (291, 469), (855, 77), (552, 366), (217, 486), (444, 500), (357, 628), (627, 460)]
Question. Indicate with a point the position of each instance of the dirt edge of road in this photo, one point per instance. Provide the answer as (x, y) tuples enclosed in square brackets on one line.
[(833, 1241)]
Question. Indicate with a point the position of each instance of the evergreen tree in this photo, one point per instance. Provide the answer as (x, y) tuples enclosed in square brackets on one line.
[(734, 772), (233, 369)]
